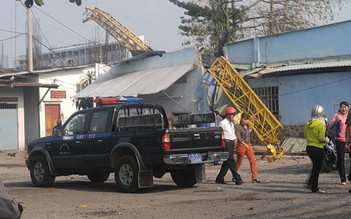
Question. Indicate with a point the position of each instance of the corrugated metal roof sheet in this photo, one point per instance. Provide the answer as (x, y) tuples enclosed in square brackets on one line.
[(296, 67), (135, 83), (294, 145)]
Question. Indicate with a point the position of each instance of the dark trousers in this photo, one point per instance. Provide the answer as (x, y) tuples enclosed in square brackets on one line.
[(340, 162), (316, 155), (229, 164)]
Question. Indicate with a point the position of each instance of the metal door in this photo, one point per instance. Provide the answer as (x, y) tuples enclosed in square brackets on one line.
[(8, 126)]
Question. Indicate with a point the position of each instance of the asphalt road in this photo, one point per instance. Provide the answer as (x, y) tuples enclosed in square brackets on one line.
[(280, 195)]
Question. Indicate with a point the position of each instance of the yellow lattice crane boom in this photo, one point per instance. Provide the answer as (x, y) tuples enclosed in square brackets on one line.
[(262, 121), (117, 30)]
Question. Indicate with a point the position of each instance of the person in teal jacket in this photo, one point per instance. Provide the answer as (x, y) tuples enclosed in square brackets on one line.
[(315, 136)]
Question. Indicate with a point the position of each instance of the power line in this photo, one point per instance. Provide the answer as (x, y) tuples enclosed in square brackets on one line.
[(64, 25), (9, 38), (10, 31), (51, 50), (38, 25)]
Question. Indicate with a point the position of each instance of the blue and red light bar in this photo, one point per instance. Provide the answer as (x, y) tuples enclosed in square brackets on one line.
[(114, 100)]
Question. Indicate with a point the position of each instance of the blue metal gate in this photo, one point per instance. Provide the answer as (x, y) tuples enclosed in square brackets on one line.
[(8, 126)]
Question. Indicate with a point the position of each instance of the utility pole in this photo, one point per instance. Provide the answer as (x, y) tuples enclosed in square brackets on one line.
[(30, 40)]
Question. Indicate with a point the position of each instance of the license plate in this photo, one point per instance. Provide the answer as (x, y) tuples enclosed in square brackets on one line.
[(195, 158)]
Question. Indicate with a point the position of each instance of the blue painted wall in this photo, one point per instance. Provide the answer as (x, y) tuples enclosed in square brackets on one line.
[(318, 42), (298, 94)]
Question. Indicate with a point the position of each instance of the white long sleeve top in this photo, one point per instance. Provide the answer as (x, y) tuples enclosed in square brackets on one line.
[(228, 129)]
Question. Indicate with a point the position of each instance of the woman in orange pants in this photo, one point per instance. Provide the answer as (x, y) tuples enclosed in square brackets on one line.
[(245, 148)]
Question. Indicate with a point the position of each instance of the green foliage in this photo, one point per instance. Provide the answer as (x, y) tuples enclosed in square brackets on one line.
[(211, 24), (83, 103), (39, 2), (29, 3), (88, 79)]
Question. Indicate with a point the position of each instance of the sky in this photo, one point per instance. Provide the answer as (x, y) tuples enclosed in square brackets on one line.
[(61, 23)]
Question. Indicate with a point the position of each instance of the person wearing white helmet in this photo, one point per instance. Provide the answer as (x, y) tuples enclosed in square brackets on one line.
[(230, 142), (315, 136)]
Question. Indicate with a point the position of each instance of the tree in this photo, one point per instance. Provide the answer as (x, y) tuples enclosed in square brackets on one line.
[(270, 17), (83, 103), (89, 78), (213, 23)]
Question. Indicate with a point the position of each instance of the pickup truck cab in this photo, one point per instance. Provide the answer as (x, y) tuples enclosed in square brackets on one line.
[(133, 141)]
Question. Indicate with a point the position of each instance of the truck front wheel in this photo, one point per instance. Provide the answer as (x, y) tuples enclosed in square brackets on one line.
[(39, 172), (184, 177), (126, 174)]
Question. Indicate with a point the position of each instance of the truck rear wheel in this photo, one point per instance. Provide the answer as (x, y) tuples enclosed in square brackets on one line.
[(98, 177), (126, 174), (39, 172), (184, 177)]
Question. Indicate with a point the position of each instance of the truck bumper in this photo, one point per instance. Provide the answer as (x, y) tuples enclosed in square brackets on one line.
[(218, 156), (184, 159)]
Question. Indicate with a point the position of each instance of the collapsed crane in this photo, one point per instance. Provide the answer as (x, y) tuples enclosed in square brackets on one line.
[(265, 125), (117, 30)]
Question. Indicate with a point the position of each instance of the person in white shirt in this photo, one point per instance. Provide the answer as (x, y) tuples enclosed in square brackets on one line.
[(230, 141)]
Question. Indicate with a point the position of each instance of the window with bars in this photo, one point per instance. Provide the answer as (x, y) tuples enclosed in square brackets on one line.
[(8, 102), (269, 96), (8, 105)]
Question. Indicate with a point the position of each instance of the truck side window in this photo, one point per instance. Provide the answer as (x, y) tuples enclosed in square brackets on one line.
[(140, 118), (75, 125), (98, 121)]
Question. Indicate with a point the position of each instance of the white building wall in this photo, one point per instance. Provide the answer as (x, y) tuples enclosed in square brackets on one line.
[(67, 79)]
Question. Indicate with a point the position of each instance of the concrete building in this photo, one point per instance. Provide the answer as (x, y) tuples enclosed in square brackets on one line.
[(173, 80), (77, 55), (61, 102), (293, 71), (30, 103)]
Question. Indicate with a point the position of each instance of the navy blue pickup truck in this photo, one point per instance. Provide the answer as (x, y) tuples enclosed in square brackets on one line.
[(133, 141)]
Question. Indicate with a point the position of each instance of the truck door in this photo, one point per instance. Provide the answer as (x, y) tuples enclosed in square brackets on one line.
[(99, 139), (69, 152)]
